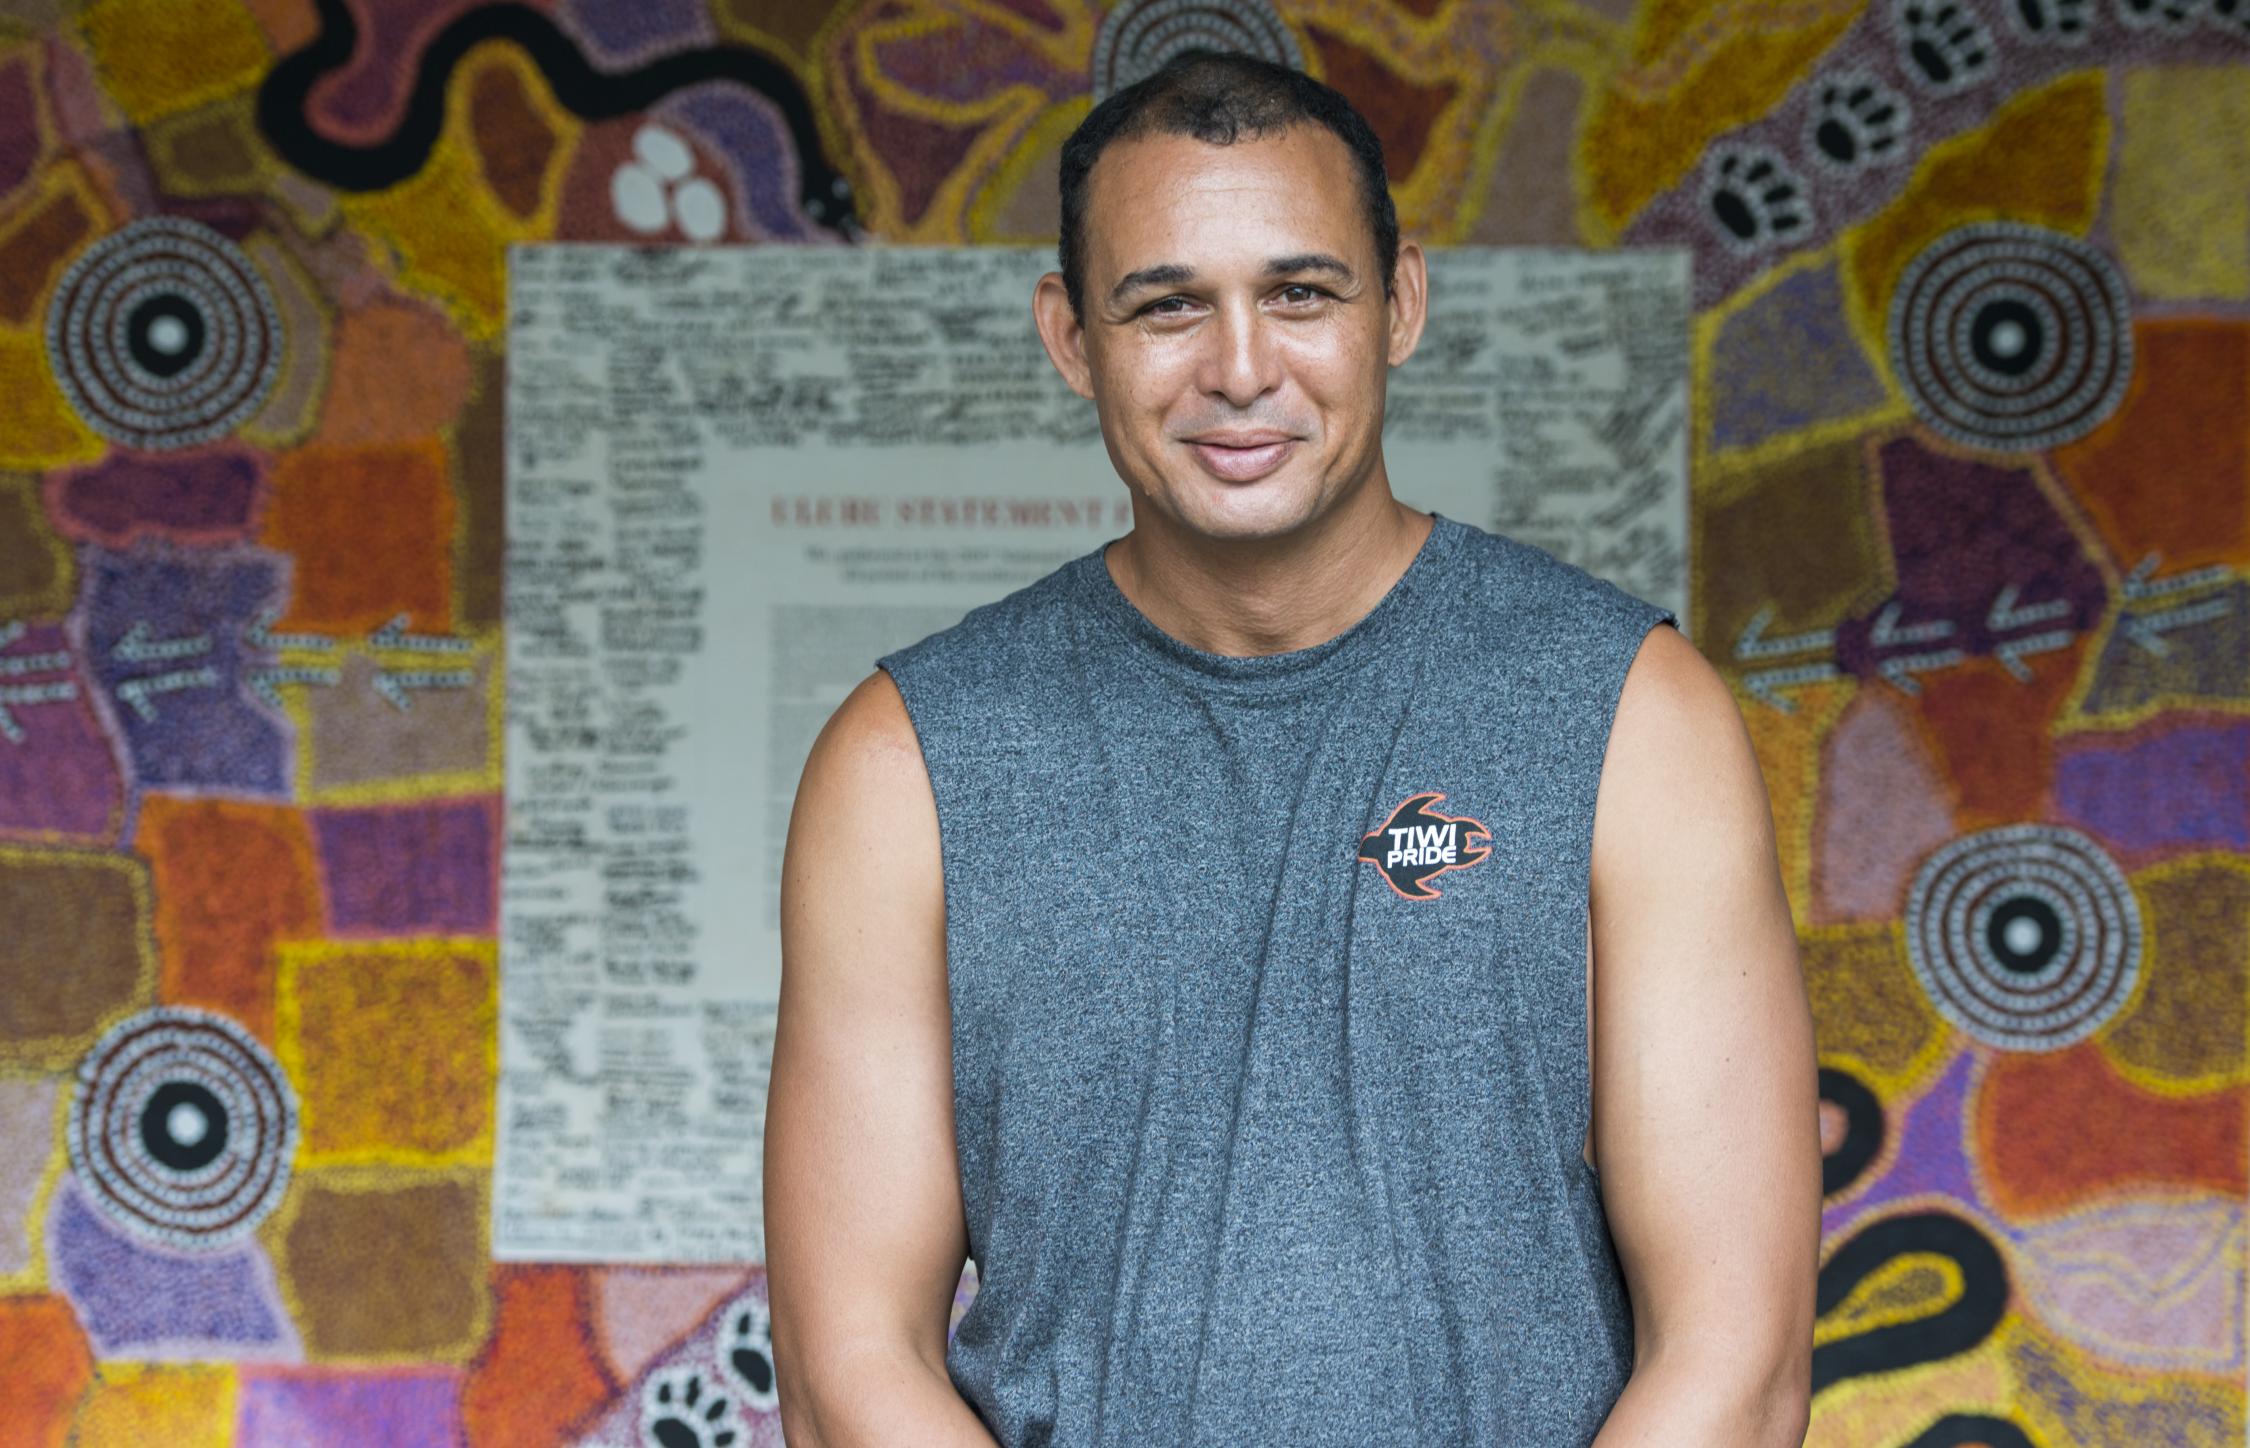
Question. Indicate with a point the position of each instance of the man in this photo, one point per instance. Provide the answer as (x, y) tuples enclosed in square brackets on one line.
[(1219, 940)]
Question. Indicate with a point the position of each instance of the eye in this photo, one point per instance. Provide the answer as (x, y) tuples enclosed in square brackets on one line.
[(1301, 293), (1163, 306)]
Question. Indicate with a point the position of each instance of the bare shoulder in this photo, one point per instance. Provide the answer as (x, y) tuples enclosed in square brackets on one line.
[(869, 742), (1679, 760), (1672, 689), (864, 814), (862, 861)]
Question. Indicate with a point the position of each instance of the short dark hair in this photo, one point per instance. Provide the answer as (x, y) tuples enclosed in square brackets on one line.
[(1219, 99)]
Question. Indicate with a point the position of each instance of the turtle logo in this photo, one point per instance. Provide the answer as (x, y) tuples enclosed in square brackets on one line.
[(1416, 844)]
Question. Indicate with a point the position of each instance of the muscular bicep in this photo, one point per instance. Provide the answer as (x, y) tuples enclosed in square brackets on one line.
[(864, 1230), (1706, 1093)]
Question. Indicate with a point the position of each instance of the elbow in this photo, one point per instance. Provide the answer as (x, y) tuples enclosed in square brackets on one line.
[(1769, 1410), (797, 1427), (1784, 1410), (793, 1397), (860, 1391), (1789, 1419), (1717, 1394)]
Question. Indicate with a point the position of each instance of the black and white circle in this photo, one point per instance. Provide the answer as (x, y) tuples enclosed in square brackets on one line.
[(2027, 937), (1139, 36), (183, 1128), (2011, 337), (163, 334)]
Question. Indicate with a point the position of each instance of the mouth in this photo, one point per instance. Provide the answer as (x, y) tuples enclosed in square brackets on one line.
[(1241, 457)]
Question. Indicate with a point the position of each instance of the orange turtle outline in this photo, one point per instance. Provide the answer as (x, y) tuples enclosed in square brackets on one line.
[(1423, 800)]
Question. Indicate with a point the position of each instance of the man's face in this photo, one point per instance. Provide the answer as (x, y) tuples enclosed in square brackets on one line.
[(1236, 337)]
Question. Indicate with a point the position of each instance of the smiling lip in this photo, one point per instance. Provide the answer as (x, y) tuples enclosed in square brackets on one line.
[(1241, 457)]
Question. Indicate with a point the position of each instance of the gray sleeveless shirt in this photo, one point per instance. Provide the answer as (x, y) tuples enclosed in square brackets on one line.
[(1269, 1021)]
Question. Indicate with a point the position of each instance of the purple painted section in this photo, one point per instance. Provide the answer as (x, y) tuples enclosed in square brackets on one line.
[(141, 1301), (398, 1408), (202, 734), (1930, 1157), (363, 100), (976, 57), (2171, 787), (620, 32), (1962, 530), (1786, 360), (19, 124), (61, 778), (408, 869), (754, 146), (201, 497), (2208, 659)]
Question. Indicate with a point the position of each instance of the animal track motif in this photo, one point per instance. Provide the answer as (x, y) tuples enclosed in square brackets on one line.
[(2052, 22), (1856, 121), (745, 1352), (1943, 44), (1754, 197), (677, 1412), (2171, 16)]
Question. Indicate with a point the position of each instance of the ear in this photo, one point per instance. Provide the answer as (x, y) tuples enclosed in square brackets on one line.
[(1410, 300), (1061, 334)]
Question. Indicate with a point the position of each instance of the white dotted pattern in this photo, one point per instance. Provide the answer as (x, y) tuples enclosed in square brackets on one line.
[(2091, 963), (210, 1205), (1139, 36), (2066, 370), (171, 263)]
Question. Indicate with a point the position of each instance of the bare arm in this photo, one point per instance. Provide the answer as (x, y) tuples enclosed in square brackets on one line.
[(864, 1231), (1706, 1087)]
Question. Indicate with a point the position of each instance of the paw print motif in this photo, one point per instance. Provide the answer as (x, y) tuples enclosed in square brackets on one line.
[(678, 1412), (2171, 16), (745, 1352), (1753, 196), (1944, 45), (1856, 121), (2052, 22), (658, 189), (2231, 15)]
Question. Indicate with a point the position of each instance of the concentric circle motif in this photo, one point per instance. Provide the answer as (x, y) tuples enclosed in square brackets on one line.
[(183, 1127), (163, 334), (1139, 36), (2027, 936), (2011, 337)]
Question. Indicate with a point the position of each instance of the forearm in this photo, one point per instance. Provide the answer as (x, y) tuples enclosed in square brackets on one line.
[(1682, 1403), (877, 1398)]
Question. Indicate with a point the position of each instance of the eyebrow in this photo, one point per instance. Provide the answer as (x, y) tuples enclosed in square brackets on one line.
[(1309, 261), (1172, 273)]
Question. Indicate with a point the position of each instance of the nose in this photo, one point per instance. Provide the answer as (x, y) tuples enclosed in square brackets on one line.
[(1240, 362)]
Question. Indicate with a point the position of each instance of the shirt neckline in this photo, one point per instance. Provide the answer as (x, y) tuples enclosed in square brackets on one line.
[(1289, 669)]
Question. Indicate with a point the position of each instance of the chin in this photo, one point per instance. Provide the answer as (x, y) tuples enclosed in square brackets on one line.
[(1249, 511)]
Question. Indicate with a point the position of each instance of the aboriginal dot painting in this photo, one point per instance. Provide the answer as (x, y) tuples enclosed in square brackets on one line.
[(1971, 541)]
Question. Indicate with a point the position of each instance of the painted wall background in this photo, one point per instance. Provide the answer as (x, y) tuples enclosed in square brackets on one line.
[(1971, 525)]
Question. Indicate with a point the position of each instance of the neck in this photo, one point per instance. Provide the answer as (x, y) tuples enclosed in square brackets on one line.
[(1249, 596)]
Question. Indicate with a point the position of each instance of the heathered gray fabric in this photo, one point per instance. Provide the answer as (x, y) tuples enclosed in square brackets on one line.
[(1255, 1149)]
